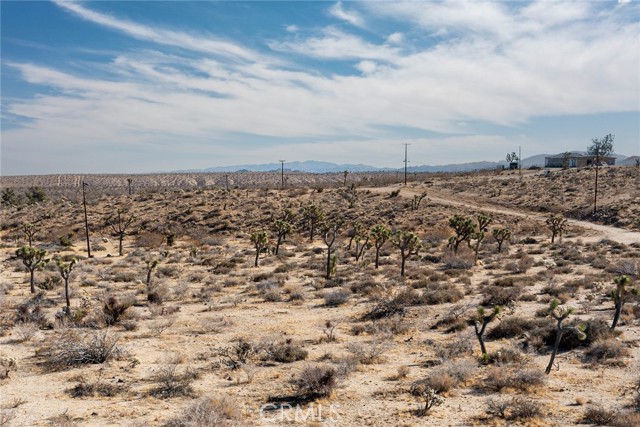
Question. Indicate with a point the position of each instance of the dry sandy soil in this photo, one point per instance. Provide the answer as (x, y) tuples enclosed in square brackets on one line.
[(388, 334)]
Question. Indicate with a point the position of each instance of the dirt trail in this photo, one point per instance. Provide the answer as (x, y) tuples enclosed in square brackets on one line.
[(597, 231)]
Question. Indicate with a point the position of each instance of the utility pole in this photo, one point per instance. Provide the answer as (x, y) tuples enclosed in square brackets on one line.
[(282, 171), (86, 221), (405, 162)]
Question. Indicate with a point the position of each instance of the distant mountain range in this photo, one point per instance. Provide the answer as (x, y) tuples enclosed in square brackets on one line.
[(312, 166)]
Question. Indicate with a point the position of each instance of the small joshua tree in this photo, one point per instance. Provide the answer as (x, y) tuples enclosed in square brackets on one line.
[(119, 225), (379, 234), (483, 318), (500, 235), (329, 237), (557, 225), (620, 295), (478, 236), (354, 231), (129, 182), (65, 269), (409, 244), (30, 230), (9, 197), (560, 314), (260, 240), (428, 395), (34, 259), (464, 229), (362, 244), (417, 199), (151, 264)]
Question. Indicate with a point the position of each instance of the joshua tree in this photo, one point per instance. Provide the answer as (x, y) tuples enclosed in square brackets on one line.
[(312, 215), (379, 234), (501, 234), (480, 325), (478, 236), (620, 295), (329, 237), (34, 259), (566, 157), (417, 199), (355, 231), (30, 230), (429, 396), (362, 244), (557, 225), (345, 177), (151, 265), (65, 271), (119, 225), (129, 182), (560, 313), (282, 228), (260, 240), (409, 244), (599, 148), (464, 229), (512, 158)]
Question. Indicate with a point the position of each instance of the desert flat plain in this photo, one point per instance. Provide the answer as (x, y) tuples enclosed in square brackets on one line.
[(188, 327)]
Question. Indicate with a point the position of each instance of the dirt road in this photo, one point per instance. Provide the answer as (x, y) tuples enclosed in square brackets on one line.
[(597, 231)]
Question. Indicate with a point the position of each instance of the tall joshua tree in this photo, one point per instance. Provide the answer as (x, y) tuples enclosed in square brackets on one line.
[(620, 295), (560, 314), (282, 228), (464, 229), (34, 259), (557, 225), (483, 318), (30, 230), (329, 237), (479, 235), (313, 216), (500, 235), (65, 269), (119, 224), (379, 234), (409, 244), (260, 240), (599, 148)]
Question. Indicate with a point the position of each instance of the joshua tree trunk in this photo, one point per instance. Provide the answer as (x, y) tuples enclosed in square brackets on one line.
[(404, 259), (255, 264), (556, 344), (32, 281), (377, 256), (66, 295), (278, 244), (120, 239), (616, 315)]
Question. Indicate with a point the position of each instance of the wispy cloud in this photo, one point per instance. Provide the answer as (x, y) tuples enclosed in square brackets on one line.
[(352, 17), (184, 40)]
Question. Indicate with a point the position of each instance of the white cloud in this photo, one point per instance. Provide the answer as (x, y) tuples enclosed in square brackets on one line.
[(367, 67), (351, 17), (292, 28), (336, 44), (395, 38)]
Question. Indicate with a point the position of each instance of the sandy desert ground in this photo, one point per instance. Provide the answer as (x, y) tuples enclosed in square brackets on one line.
[(184, 329)]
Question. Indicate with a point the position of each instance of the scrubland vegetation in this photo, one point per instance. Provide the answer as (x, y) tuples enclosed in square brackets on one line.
[(445, 302)]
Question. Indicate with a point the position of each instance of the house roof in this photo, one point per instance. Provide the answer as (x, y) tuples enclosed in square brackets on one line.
[(574, 154)]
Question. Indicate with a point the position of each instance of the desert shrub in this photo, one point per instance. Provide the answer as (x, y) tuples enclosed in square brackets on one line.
[(284, 351), (439, 381), (606, 351), (521, 378), (114, 308), (368, 353), (171, 383), (501, 296), (336, 298), (236, 355), (7, 365), (511, 327), (395, 325), (71, 348), (315, 381), (30, 311), (25, 331), (595, 329), (455, 262), (441, 293), (459, 347), (505, 355), (428, 395), (209, 412), (385, 308), (515, 408), (86, 388), (599, 416)]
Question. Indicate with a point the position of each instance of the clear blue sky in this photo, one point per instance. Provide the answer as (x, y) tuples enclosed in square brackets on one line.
[(101, 86)]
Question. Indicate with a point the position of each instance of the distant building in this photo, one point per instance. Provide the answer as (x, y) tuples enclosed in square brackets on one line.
[(576, 160)]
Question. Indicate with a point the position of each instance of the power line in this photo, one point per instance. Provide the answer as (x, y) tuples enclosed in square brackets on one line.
[(405, 161), (282, 171)]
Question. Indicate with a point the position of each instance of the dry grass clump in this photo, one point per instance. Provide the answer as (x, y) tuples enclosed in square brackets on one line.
[(71, 348), (336, 298), (283, 351), (85, 388), (449, 375), (515, 408), (316, 381), (370, 352), (171, 382), (521, 378), (209, 412), (608, 351)]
